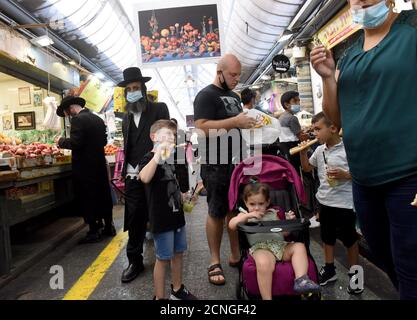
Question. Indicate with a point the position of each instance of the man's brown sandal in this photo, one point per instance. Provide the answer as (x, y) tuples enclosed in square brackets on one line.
[(212, 273)]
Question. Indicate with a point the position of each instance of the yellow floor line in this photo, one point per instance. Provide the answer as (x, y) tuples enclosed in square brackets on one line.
[(86, 284)]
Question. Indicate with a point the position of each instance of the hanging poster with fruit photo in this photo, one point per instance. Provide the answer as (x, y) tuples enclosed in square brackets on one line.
[(177, 32)]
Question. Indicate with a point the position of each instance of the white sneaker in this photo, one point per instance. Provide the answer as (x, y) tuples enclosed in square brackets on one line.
[(314, 223)]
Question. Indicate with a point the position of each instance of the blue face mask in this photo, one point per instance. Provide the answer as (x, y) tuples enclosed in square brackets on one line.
[(371, 17), (134, 96), (295, 108)]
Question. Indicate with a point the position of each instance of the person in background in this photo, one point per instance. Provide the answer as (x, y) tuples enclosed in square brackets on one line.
[(89, 169), (181, 165), (217, 107), (139, 117), (291, 133), (248, 97), (372, 93)]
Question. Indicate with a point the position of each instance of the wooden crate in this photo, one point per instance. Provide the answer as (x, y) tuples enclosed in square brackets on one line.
[(8, 175), (59, 160)]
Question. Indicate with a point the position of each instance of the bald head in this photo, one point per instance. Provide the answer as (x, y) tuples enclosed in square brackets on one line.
[(228, 61), (229, 70)]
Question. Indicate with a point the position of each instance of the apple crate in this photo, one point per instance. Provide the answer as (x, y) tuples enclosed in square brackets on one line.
[(60, 160)]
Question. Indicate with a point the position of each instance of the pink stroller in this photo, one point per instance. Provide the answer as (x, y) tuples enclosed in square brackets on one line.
[(119, 185), (286, 190)]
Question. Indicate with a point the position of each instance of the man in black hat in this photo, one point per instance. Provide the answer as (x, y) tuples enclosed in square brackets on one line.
[(140, 115), (90, 178)]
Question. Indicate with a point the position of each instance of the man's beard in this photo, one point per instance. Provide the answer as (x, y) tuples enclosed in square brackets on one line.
[(135, 107)]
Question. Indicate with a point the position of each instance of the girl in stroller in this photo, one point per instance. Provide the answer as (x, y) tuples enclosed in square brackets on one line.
[(267, 248)]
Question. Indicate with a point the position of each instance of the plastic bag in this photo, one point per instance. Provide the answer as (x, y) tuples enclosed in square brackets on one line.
[(266, 131)]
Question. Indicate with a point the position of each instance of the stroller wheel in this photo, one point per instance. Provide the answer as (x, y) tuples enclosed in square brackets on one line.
[(312, 296)]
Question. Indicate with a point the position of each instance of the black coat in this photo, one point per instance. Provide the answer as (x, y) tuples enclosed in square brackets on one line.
[(89, 169), (152, 113)]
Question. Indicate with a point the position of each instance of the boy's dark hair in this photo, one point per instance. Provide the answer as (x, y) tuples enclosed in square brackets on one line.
[(175, 120), (169, 124), (256, 187), (320, 116), (247, 95), (287, 96)]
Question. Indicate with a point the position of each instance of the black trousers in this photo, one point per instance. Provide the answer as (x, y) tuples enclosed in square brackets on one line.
[(93, 201), (136, 215), (293, 159)]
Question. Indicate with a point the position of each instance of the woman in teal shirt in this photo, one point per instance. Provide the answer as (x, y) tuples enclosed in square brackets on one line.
[(372, 94)]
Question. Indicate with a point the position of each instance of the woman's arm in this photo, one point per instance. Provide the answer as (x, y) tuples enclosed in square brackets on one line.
[(330, 102), (323, 62)]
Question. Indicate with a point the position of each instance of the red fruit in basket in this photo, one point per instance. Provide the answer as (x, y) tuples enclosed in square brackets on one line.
[(20, 151)]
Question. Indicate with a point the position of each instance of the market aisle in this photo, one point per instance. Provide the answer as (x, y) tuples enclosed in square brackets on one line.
[(104, 283)]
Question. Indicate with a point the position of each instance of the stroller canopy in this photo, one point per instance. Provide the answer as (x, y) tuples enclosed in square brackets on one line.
[(272, 170)]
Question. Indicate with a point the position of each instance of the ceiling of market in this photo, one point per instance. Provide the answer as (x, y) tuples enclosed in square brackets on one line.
[(104, 32)]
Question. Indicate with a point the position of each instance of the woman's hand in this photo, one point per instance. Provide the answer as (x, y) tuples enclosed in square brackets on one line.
[(323, 62)]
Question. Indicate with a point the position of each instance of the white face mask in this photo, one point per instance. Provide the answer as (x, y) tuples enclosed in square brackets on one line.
[(371, 17)]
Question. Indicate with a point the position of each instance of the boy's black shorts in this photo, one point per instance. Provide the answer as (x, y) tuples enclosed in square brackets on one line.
[(338, 223), (216, 180)]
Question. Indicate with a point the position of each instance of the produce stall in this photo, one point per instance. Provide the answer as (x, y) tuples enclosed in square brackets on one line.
[(34, 178)]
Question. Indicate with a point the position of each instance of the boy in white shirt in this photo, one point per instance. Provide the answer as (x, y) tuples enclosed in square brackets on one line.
[(337, 218)]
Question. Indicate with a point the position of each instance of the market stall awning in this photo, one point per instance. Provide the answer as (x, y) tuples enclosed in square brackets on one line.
[(103, 31)]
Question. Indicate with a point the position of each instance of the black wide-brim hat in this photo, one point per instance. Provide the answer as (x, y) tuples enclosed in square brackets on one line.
[(132, 74), (67, 102)]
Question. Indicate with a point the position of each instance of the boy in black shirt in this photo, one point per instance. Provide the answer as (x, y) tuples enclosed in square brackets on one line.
[(166, 215)]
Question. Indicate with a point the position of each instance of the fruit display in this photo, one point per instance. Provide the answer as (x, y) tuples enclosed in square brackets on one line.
[(37, 136), (4, 139), (16, 193), (32, 150), (110, 150)]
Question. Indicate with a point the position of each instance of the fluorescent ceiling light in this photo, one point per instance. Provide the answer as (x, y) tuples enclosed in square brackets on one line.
[(72, 62), (285, 37), (266, 77), (99, 75), (42, 41), (112, 30)]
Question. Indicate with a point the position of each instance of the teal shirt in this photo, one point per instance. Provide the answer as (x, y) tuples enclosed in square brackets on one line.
[(377, 93)]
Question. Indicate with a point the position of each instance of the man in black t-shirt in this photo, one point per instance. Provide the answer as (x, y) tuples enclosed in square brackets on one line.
[(217, 108)]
